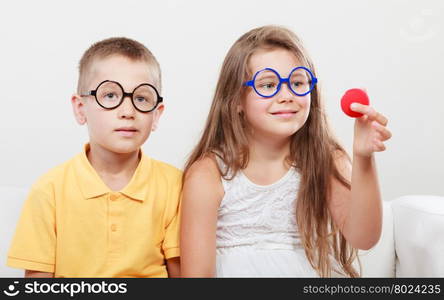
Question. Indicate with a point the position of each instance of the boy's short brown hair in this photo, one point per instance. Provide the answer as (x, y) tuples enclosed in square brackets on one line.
[(118, 46)]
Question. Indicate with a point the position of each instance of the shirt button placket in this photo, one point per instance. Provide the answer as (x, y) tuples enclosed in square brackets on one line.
[(114, 224)]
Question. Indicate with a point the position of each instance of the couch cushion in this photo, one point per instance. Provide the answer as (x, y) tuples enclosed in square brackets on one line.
[(419, 235)]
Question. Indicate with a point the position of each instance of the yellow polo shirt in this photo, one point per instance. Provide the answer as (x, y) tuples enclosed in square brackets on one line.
[(73, 225)]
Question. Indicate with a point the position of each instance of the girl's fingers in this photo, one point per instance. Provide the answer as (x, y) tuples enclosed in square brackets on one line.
[(370, 112), (360, 108), (381, 119), (378, 146), (383, 131)]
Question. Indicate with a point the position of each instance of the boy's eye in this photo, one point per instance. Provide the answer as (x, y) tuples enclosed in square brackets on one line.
[(110, 96), (140, 99)]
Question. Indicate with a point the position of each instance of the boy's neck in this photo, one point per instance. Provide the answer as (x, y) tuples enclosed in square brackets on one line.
[(115, 169)]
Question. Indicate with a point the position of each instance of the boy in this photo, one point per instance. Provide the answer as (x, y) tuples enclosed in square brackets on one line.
[(110, 211)]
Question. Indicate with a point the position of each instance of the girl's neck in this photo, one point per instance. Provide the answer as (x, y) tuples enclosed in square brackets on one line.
[(115, 169), (266, 150), (267, 160)]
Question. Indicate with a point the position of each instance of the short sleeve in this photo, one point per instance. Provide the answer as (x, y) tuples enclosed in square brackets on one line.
[(34, 242), (170, 245)]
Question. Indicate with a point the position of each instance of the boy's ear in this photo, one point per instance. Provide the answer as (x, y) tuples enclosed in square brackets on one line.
[(78, 108), (157, 113)]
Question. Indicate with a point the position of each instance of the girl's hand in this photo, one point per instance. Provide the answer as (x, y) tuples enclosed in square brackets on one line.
[(370, 131)]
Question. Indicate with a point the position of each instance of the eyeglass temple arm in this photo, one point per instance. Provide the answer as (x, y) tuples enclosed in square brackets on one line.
[(249, 83), (90, 93)]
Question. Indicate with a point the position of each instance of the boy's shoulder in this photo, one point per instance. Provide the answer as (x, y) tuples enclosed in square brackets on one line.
[(55, 175), (160, 168)]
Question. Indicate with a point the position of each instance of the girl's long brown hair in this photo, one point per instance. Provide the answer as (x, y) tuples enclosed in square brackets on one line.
[(312, 148)]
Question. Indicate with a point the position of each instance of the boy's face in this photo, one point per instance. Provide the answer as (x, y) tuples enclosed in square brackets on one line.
[(123, 129)]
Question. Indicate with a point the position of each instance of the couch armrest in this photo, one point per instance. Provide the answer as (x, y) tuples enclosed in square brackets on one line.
[(419, 235)]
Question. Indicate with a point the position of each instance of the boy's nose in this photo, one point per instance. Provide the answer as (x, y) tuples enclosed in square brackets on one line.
[(126, 109)]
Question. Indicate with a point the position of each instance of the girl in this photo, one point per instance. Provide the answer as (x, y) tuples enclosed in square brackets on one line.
[(268, 191)]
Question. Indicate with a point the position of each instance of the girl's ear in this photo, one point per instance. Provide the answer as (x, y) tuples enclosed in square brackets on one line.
[(240, 109), (78, 108)]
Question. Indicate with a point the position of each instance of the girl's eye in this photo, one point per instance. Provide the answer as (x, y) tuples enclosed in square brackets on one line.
[(300, 83), (267, 85)]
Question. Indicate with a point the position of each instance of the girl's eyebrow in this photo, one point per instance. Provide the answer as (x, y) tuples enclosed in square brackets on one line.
[(299, 75), (266, 77)]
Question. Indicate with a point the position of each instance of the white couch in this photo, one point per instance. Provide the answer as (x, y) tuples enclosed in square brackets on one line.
[(412, 240), (411, 244)]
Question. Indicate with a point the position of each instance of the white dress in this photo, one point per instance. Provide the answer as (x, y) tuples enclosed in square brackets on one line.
[(256, 233)]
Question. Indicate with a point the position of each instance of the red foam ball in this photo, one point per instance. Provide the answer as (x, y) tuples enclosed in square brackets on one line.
[(351, 96)]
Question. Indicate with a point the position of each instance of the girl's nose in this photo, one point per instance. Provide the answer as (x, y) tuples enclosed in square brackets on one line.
[(285, 94)]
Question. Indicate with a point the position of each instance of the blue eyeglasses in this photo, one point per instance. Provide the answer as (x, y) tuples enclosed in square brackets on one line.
[(267, 82)]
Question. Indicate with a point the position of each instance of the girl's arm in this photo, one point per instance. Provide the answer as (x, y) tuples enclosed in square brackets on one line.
[(202, 193), (359, 212)]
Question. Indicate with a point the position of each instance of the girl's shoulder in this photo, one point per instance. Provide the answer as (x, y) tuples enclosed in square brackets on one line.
[(202, 182), (206, 167)]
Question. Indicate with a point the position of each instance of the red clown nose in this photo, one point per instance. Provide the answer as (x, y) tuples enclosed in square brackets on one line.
[(351, 96)]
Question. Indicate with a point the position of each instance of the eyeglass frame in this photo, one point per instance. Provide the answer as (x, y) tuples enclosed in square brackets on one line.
[(124, 95), (282, 80)]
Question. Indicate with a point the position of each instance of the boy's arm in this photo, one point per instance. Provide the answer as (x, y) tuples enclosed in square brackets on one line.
[(34, 242), (38, 274), (170, 246), (173, 267)]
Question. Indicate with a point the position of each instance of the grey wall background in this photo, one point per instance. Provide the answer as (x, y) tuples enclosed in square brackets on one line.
[(393, 48)]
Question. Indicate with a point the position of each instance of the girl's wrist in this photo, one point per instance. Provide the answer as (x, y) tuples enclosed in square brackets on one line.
[(362, 158)]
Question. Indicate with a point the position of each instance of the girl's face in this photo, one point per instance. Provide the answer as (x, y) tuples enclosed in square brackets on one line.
[(283, 114)]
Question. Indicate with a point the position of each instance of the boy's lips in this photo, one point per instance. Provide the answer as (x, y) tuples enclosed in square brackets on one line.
[(126, 131)]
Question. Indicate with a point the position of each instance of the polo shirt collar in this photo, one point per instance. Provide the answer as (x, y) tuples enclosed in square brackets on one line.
[(92, 186), (137, 188)]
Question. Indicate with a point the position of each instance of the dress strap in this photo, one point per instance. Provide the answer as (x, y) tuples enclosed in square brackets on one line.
[(224, 169)]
